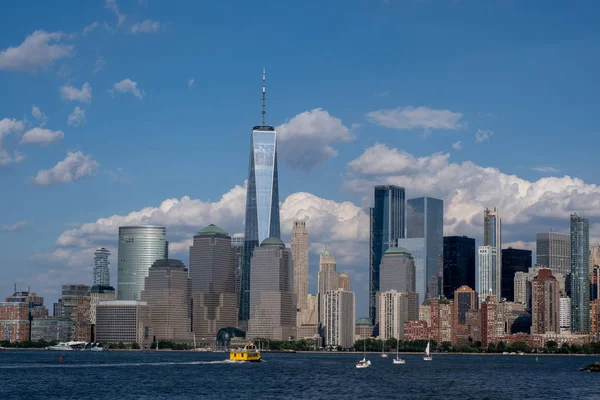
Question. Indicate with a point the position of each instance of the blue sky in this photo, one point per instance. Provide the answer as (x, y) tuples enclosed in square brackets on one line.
[(364, 92)]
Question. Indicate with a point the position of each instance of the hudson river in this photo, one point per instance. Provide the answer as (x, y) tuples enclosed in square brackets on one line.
[(173, 375)]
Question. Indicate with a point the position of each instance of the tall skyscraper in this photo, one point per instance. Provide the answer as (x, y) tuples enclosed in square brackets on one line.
[(492, 236), (397, 270), (328, 278), (459, 263), (553, 250), (75, 306), (167, 292), (262, 200), (272, 312), (339, 318), (416, 248), (425, 219), (487, 273), (513, 261), (580, 268), (394, 309), (545, 303), (387, 226), (237, 245), (213, 287), (101, 271), (139, 248), (300, 255)]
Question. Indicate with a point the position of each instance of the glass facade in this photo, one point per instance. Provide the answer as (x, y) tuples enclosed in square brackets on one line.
[(416, 248), (425, 219), (459, 263), (513, 261), (492, 236), (387, 226), (139, 248), (101, 271), (262, 204), (580, 267), (486, 277)]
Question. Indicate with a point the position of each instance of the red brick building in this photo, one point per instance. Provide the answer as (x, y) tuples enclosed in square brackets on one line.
[(14, 321), (416, 330)]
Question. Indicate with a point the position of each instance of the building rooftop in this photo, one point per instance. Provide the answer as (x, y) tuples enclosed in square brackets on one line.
[(363, 321), (396, 250), (212, 229), (272, 241)]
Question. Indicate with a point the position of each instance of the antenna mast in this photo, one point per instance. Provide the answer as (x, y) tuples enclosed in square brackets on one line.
[(264, 94)]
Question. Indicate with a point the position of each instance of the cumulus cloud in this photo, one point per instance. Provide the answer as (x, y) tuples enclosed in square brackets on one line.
[(112, 6), (191, 82), (128, 86), (74, 167), (526, 206), (99, 65), (305, 140), (17, 226), (147, 26), (39, 50), (41, 136), (457, 145), (7, 127), (39, 115), (71, 93), (483, 136), (416, 118), (77, 117)]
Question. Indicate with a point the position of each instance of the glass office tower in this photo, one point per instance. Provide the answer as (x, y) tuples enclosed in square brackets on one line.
[(459, 264), (425, 219), (101, 271), (262, 204), (387, 226), (139, 248), (580, 267)]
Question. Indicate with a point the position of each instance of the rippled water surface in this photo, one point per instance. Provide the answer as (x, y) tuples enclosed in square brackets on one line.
[(173, 375)]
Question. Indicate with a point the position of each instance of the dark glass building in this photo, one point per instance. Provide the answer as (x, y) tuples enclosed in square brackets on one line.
[(387, 226), (459, 263), (580, 267), (513, 261)]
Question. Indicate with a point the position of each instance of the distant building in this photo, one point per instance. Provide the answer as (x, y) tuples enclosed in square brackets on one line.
[(272, 309), (465, 300), (580, 264), (328, 278), (395, 309), (487, 273), (416, 248), (564, 313), (441, 320), (98, 294), (513, 261), (338, 321), (553, 250), (398, 270), (595, 317), (215, 303), (489, 321), (300, 254), (363, 329), (520, 287), (126, 321), (416, 330), (492, 237), (308, 325), (167, 293), (75, 306), (101, 271), (545, 303), (237, 246), (387, 226), (425, 219), (345, 282), (35, 302), (14, 321), (139, 248), (50, 329), (459, 263)]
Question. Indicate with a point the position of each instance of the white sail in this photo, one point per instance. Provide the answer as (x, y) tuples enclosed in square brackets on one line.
[(427, 349)]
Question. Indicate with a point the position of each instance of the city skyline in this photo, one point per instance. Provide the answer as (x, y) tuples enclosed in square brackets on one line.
[(91, 109)]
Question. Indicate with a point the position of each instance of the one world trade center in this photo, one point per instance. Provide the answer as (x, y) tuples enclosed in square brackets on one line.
[(262, 200)]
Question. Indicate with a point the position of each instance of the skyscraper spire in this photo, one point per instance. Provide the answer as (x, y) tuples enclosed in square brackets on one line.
[(264, 95)]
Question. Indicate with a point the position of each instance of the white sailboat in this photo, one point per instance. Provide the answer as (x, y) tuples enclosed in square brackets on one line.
[(427, 356), (364, 363), (398, 360), (383, 349)]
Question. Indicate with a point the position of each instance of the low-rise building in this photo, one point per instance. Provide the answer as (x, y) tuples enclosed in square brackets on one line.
[(51, 329), (126, 321)]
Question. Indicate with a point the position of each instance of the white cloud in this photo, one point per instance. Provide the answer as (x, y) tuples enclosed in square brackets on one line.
[(77, 117), (8, 126), (416, 118), (41, 136), (91, 27), (483, 136), (112, 5), (119, 176), (526, 206), (17, 226), (39, 115), (99, 65), (191, 82), (71, 93), (457, 145), (128, 86), (74, 167), (305, 140), (147, 26), (544, 169), (39, 50)]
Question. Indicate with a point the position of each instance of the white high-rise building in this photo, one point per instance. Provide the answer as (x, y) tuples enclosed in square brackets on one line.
[(394, 310), (300, 256), (101, 271), (492, 236), (339, 318), (329, 279), (521, 287), (564, 314), (486, 279)]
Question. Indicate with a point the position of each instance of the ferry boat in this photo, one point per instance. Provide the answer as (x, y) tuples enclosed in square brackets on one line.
[(68, 346), (248, 353)]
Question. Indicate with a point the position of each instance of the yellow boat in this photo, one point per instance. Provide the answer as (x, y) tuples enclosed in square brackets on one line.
[(248, 353)]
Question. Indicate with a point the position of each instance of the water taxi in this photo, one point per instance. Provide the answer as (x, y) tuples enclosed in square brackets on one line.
[(248, 353)]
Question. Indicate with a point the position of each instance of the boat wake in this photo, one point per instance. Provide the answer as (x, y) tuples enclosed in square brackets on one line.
[(45, 364)]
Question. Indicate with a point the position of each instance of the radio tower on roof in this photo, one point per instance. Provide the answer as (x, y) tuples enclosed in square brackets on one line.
[(264, 96)]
